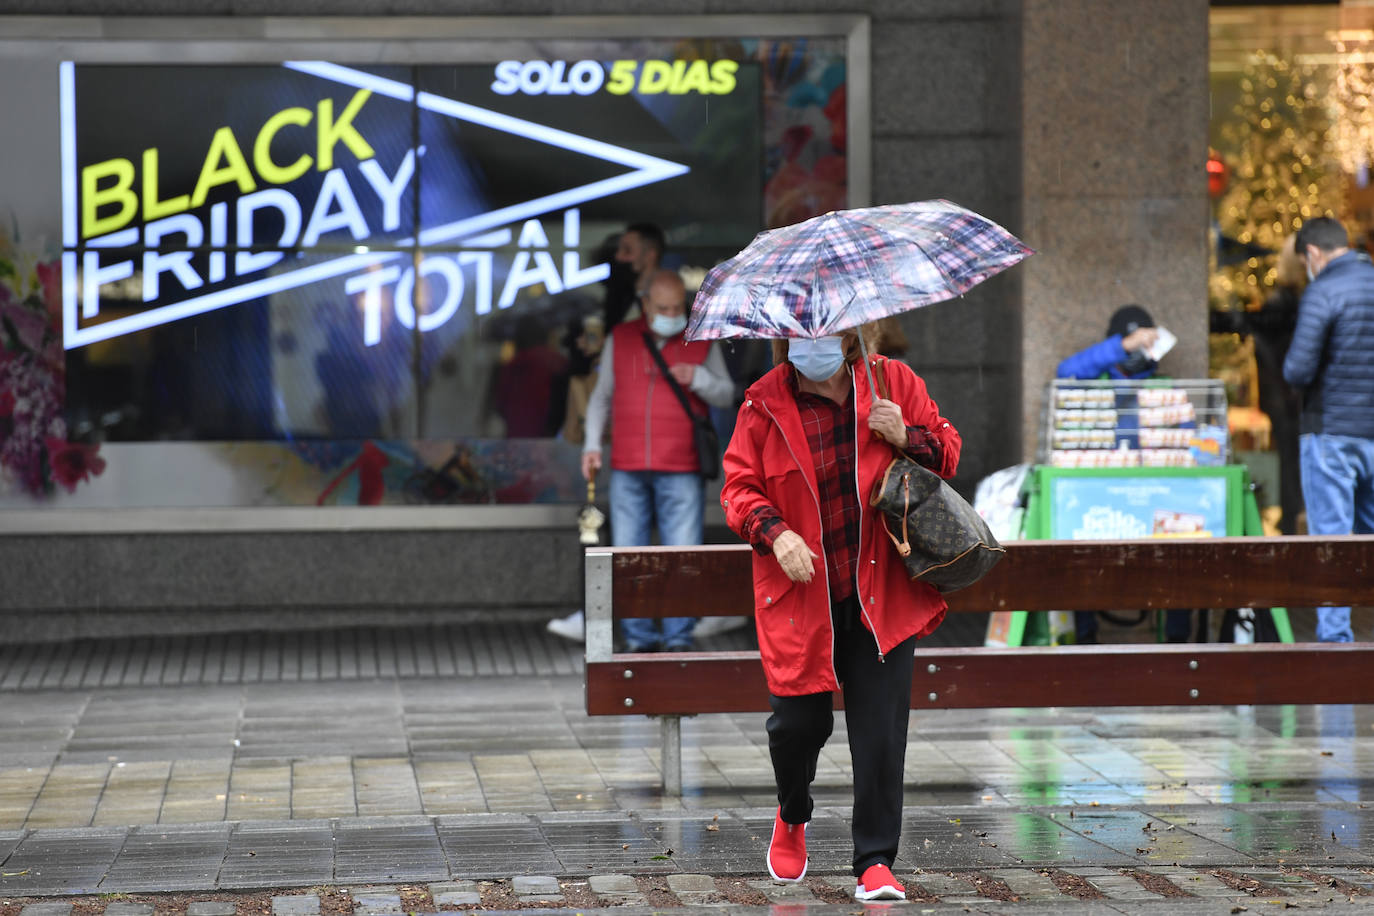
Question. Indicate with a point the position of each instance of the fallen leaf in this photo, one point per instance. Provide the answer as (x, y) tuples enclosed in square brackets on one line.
[(624, 845), (14, 874), (713, 828)]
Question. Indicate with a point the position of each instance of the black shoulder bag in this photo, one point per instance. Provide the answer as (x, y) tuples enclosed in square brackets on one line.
[(703, 433), (944, 542)]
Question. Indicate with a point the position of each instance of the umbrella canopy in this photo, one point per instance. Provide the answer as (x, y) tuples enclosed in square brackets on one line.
[(849, 267)]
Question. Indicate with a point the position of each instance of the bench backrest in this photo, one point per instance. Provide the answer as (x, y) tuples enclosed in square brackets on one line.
[(1035, 575)]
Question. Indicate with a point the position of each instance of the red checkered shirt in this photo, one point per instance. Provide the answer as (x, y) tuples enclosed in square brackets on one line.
[(830, 436)]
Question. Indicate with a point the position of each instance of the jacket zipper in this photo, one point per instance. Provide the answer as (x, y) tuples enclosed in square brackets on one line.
[(825, 565), (863, 608)]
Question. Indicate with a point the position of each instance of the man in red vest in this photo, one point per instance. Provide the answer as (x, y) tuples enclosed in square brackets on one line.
[(655, 474)]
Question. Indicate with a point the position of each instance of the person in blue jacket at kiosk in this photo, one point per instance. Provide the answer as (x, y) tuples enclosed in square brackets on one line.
[(1123, 354)]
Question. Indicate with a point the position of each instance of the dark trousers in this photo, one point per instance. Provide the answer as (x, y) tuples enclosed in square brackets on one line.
[(877, 703)]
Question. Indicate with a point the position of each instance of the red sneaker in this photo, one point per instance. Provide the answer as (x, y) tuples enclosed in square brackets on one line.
[(877, 883), (787, 851)]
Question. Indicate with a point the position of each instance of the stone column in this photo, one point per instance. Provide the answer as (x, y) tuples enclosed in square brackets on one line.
[(1114, 194)]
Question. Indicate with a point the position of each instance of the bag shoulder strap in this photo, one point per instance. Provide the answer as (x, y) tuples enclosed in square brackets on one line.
[(672, 382)]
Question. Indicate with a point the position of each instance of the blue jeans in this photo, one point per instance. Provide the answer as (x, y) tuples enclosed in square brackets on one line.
[(1338, 487), (673, 501)]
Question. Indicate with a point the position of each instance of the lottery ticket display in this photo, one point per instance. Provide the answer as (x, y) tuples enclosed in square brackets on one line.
[(1111, 423)]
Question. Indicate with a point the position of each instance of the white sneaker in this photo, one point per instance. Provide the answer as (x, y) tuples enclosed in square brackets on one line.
[(572, 627), (714, 626)]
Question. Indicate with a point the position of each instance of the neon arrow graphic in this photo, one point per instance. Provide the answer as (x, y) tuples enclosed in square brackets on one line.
[(644, 170)]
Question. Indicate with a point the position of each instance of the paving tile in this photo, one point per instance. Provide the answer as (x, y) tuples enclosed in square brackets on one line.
[(783, 893), (613, 885), (157, 857), (120, 908), (376, 904), (951, 889), (1028, 884), (1117, 886), (283, 857), (53, 908), (527, 885), (692, 884), (485, 847), (386, 851), (209, 908), (296, 905), (457, 898), (50, 862)]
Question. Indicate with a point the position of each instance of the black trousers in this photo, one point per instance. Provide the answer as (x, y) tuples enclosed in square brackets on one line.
[(877, 702)]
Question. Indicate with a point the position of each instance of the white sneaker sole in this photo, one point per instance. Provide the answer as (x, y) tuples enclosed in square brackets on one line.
[(769, 858), (886, 892)]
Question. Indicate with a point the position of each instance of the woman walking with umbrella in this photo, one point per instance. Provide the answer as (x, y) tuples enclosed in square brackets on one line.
[(835, 607)]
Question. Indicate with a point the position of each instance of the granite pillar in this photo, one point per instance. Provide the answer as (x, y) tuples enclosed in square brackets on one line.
[(1114, 136)]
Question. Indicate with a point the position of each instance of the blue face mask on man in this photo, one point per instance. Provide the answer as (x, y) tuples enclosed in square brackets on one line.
[(816, 359), (667, 325)]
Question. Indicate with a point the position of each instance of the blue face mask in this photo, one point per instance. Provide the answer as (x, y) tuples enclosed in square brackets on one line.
[(667, 325), (817, 359)]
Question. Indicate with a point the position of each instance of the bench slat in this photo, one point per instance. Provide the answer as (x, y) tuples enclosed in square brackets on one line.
[(1127, 675), (1046, 575)]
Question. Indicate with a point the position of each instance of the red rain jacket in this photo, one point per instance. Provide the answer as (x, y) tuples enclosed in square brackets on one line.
[(768, 462)]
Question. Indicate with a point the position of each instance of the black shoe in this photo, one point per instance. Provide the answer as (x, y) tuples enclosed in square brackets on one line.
[(1085, 639), (679, 647)]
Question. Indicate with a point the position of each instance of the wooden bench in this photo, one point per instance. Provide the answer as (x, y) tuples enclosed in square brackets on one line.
[(1035, 575)]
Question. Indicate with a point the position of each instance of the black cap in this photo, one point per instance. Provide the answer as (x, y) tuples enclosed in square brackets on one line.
[(1127, 318)]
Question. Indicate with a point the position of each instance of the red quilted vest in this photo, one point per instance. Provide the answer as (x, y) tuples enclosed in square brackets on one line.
[(650, 431)]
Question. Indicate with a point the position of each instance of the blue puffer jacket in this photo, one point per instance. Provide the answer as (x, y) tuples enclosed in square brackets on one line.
[(1332, 354)]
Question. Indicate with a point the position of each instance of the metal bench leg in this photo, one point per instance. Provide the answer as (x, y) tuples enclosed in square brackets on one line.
[(671, 730)]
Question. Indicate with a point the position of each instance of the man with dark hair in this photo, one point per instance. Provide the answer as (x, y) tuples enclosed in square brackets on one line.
[(1332, 359), (638, 256), (1131, 332)]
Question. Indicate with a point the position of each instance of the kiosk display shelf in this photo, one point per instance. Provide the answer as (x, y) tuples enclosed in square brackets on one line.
[(1121, 423)]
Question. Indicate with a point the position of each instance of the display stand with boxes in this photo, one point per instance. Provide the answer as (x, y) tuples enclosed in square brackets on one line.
[(1124, 459), (1117, 423)]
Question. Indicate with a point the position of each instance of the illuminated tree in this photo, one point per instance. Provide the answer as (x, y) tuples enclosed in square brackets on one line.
[(1282, 167)]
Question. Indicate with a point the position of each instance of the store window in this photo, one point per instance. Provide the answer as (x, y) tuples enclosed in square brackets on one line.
[(314, 282), (1292, 137)]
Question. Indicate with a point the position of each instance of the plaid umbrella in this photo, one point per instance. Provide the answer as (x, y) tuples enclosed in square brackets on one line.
[(849, 267)]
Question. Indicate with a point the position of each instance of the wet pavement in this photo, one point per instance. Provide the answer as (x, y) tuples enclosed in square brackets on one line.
[(368, 760)]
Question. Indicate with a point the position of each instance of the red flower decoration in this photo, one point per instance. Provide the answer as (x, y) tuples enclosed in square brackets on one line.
[(72, 462)]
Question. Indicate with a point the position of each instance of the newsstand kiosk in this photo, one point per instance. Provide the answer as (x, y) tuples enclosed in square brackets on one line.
[(1132, 460)]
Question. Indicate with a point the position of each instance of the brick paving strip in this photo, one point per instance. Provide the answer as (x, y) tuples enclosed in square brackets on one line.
[(1031, 887)]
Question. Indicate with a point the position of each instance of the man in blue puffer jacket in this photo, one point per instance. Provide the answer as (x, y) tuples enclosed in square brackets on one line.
[(1332, 359)]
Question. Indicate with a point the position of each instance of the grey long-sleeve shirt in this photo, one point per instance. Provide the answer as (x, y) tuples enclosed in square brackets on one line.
[(710, 382)]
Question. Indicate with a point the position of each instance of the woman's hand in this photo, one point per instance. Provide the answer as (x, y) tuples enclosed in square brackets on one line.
[(795, 558), (885, 419)]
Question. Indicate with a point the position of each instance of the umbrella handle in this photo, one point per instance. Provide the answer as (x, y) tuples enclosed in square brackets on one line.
[(863, 348)]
